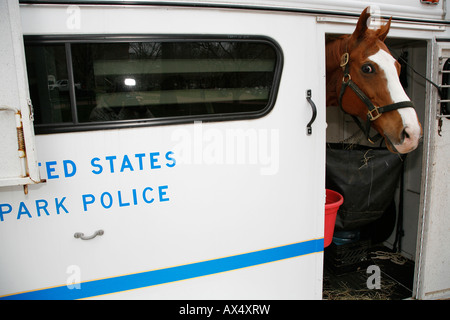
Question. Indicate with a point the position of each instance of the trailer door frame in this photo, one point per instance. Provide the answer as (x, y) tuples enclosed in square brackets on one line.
[(433, 263), (19, 166)]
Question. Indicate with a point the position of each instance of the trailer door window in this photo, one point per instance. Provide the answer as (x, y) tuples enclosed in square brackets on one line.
[(105, 83), (48, 83)]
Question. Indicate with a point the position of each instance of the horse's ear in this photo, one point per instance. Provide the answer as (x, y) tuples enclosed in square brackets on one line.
[(384, 30), (361, 25)]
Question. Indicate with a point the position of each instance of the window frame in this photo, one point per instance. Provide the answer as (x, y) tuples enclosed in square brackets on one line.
[(76, 126)]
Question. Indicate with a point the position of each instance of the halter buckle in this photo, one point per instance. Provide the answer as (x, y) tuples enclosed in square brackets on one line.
[(346, 78), (374, 114), (344, 59)]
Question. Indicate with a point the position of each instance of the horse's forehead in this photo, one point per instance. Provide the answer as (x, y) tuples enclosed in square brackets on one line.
[(371, 47), (387, 63), (384, 59)]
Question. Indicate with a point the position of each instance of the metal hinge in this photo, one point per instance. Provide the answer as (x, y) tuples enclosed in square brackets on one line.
[(30, 107)]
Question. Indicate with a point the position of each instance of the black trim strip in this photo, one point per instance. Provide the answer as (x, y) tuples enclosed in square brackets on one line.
[(89, 126)]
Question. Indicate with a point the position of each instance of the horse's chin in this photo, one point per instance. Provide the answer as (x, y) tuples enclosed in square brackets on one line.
[(400, 148), (390, 146)]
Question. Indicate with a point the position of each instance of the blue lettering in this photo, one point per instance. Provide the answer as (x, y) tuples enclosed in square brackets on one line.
[(98, 166), (140, 156), (145, 197), (2, 212), (50, 170), (68, 174), (42, 206), (153, 160), (23, 210), (126, 164), (59, 205), (87, 199), (121, 198), (111, 162), (134, 197), (103, 202), (163, 193), (121, 204), (168, 157)]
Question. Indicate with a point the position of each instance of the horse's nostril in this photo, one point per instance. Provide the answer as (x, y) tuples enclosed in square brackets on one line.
[(405, 134)]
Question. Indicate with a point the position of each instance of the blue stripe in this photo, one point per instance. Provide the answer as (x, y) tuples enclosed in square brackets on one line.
[(155, 277)]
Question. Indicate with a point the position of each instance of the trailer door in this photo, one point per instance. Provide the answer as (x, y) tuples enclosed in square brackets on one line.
[(434, 261), (218, 194)]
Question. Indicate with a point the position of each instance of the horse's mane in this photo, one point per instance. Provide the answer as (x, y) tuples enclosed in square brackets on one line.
[(335, 47)]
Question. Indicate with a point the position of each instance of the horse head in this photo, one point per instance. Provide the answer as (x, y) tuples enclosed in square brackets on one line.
[(366, 66)]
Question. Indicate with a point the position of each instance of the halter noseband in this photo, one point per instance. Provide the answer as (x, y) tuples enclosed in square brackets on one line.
[(374, 112)]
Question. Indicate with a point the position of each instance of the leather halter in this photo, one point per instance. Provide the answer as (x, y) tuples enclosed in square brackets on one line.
[(374, 112)]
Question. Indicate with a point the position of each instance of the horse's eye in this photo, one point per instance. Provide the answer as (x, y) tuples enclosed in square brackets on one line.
[(367, 68)]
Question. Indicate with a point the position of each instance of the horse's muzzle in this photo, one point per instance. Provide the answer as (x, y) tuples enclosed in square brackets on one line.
[(407, 141)]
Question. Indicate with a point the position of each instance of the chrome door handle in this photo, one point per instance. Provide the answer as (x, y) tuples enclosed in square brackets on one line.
[(83, 237)]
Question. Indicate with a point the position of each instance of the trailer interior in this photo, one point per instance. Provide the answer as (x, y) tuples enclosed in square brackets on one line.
[(389, 243)]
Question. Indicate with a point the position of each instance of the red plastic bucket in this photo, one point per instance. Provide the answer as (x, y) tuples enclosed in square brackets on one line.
[(332, 203)]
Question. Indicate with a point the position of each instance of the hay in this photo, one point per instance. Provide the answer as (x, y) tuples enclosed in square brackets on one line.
[(343, 291)]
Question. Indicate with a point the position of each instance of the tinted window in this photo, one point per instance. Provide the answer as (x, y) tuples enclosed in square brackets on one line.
[(132, 82)]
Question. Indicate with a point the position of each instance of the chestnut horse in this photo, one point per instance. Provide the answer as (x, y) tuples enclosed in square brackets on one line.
[(363, 79)]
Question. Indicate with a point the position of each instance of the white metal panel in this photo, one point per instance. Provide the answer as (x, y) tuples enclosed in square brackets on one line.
[(401, 9), (11, 163), (216, 208)]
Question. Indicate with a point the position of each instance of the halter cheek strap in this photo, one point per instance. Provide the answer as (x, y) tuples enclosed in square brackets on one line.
[(374, 112)]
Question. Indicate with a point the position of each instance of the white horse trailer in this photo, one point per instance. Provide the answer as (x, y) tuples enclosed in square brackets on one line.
[(165, 153)]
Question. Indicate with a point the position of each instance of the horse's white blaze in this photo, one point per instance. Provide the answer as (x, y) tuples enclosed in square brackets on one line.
[(409, 117)]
